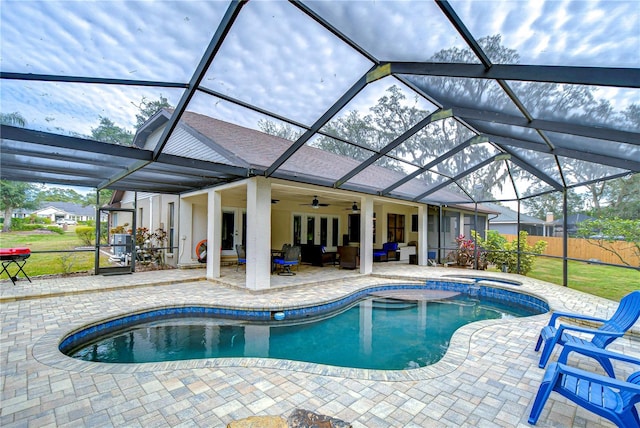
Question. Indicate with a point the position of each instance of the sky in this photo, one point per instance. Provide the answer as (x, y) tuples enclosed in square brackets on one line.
[(276, 57)]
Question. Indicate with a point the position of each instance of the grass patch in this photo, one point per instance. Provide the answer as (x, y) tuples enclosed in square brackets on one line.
[(609, 282), (49, 263)]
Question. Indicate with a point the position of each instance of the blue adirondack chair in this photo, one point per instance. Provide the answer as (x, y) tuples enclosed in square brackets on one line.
[(625, 316), (608, 397)]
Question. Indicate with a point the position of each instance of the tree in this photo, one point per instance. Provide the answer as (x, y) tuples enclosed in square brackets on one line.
[(446, 134), (622, 196), (109, 132), (56, 194), (15, 194), (501, 253), (540, 206), (13, 119), (149, 108), (353, 128), (605, 232), (285, 131)]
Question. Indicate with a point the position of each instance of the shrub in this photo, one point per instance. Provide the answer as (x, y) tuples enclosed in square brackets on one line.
[(86, 234), (501, 252)]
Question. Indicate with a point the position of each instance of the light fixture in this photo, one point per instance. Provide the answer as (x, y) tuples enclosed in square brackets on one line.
[(354, 207)]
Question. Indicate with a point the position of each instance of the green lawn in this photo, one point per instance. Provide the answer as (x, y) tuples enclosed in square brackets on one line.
[(605, 281), (49, 263)]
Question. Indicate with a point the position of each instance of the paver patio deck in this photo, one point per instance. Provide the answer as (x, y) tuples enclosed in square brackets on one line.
[(488, 377)]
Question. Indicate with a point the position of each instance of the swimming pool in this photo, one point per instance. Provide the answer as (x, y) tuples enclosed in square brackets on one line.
[(362, 331)]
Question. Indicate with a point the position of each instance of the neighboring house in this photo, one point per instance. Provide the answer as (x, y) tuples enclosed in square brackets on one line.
[(573, 222), (20, 213), (68, 212), (506, 222), (265, 213)]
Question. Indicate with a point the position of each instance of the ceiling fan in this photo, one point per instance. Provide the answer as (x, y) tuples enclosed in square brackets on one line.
[(354, 208), (315, 204)]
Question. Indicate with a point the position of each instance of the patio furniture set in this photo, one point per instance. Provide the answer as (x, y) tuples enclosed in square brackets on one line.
[(612, 398)]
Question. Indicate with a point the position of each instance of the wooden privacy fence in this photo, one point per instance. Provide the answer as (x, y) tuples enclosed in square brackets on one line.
[(579, 248)]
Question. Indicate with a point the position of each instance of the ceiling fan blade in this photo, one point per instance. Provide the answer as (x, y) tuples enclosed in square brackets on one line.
[(315, 203)]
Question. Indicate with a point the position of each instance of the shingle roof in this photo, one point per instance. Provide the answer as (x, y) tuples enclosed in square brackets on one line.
[(260, 150), (508, 216), (70, 208)]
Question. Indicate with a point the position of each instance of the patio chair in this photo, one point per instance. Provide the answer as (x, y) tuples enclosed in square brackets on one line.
[(291, 258), (242, 256), (348, 257), (608, 397), (622, 320)]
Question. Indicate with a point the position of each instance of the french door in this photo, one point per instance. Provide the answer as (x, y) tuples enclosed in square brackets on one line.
[(316, 230), (234, 230)]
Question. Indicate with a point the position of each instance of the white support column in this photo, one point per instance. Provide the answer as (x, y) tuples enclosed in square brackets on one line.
[(423, 241), (214, 233), (258, 249), (366, 235)]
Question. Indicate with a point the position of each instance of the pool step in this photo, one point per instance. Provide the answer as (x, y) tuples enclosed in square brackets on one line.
[(416, 295)]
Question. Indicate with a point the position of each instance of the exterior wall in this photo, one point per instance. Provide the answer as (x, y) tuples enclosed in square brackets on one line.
[(512, 229), (504, 229), (152, 213), (198, 228), (52, 214), (281, 228)]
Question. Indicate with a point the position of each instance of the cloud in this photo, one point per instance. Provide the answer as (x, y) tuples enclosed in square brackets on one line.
[(275, 56)]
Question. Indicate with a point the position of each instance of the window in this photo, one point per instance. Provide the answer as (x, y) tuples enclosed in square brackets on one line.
[(469, 225), (414, 222), (335, 231), (172, 219), (354, 227), (140, 222), (395, 227), (450, 228), (297, 230)]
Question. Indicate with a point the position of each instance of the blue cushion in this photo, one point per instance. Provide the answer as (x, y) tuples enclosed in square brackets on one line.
[(390, 246)]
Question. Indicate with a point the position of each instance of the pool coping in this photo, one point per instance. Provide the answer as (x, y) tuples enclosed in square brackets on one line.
[(46, 349)]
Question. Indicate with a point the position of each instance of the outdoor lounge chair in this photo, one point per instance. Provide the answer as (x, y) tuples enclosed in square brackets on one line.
[(242, 256), (625, 316), (608, 397), (348, 257), (290, 258)]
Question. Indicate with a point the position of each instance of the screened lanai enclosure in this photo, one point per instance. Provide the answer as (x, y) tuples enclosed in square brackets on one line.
[(464, 102)]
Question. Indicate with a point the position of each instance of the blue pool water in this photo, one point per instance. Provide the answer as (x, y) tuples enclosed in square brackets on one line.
[(374, 333)]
